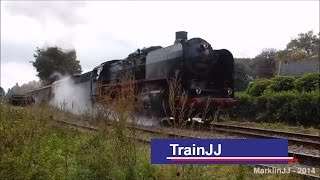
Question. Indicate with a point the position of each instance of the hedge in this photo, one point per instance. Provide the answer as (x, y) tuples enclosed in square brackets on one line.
[(308, 82), (288, 106), (257, 87), (244, 108), (281, 83)]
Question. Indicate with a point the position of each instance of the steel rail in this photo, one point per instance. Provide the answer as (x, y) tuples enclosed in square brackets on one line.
[(293, 138)]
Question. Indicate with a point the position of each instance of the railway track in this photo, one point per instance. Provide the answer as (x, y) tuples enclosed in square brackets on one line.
[(293, 138), (306, 161)]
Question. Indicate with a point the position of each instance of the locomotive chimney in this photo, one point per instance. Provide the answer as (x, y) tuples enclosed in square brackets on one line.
[(181, 36)]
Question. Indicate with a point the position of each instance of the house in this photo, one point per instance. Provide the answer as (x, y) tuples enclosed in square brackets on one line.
[(298, 68)]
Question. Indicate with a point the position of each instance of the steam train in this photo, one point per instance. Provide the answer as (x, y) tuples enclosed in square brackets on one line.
[(206, 75)]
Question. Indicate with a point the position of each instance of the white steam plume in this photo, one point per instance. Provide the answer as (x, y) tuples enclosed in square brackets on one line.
[(71, 97)]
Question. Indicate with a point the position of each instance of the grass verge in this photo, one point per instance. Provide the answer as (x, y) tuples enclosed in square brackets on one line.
[(272, 126)]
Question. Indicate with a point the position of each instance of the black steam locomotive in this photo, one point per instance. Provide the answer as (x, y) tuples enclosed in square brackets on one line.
[(206, 75)]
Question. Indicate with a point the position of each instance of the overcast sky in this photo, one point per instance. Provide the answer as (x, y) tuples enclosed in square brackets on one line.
[(105, 30)]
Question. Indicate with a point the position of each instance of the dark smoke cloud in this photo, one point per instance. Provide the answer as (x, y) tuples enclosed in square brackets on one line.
[(44, 11)]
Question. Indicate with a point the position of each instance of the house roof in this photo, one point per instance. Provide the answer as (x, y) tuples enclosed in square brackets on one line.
[(298, 68)]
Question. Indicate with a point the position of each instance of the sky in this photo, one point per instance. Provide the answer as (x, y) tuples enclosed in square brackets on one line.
[(104, 30)]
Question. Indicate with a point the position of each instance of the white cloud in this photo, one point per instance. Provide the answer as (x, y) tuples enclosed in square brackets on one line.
[(103, 30), (13, 72), (46, 11)]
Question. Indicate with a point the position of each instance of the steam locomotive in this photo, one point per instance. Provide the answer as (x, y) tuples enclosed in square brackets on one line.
[(206, 75)]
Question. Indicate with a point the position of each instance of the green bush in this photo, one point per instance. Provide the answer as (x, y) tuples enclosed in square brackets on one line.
[(257, 87), (278, 105), (287, 106), (308, 82), (281, 83), (244, 108), (306, 107)]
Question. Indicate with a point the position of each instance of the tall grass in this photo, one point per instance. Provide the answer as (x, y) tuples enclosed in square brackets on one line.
[(31, 148), (177, 102), (118, 105)]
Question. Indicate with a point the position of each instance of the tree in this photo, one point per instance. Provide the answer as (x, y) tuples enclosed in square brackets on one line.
[(265, 64), (31, 85), (2, 93), (307, 42), (53, 61), (14, 91), (304, 47), (242, 74), (286, 55)]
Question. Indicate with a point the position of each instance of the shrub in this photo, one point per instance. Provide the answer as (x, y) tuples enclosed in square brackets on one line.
[(308, 82), (244, 108), (257, 87), (305, 108), (287, 106), (278, 105), (281, 83)]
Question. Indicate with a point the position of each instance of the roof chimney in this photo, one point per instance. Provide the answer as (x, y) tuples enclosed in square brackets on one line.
[(181, 36)]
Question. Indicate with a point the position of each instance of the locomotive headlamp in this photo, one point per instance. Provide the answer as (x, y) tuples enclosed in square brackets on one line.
[(198, 90), (203, 46), (229, 91)]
